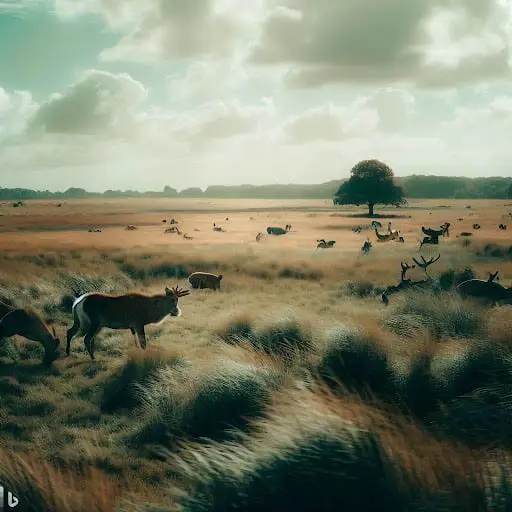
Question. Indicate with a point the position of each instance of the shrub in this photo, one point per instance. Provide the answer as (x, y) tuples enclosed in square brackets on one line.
[(122, 389), (355, 362), (195, 405)]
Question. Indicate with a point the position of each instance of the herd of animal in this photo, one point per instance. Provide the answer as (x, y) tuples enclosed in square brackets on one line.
[(93, 311)]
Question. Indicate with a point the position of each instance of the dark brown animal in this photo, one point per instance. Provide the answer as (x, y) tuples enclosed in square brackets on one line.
[(93, 311), (203, 280)]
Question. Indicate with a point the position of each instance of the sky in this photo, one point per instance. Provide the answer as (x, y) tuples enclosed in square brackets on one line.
[(139, 94)]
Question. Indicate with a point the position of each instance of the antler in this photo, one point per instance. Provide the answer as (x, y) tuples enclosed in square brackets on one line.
[(179, 292), (494, 276), (405, 267), (426, 263), (53, 331)]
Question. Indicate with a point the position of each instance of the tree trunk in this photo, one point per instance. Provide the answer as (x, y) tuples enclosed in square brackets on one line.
[(370, 209)]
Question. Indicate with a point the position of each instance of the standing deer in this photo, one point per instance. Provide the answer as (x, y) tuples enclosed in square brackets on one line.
[(486, 291), (94, 311), (28, 323), (387, 237), (367, 246)]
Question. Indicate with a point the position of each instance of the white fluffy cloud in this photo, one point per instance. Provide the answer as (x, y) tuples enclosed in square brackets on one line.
[(363, 41)]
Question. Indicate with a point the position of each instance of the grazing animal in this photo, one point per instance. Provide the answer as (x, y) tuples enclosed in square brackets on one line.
[(28, 323), (407, 283), (476, 226), (401, 239), (432, 240), (278, 230), (324, 244), (173, 230), (357, 229), (393, 235), (488, 291), (367, 246), (217, 228), (187, 237), (466, 233), (202, 280), (130, 228), (259, 236), (94, 230), (503, 227), (94, 311)]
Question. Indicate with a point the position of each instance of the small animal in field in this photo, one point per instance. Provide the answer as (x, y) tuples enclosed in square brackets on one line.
[(187, 237), (324, 244), (476, 226), (357, 229), (94, 230), (277, 230), (94, 311), (466, 233), (367, 246), (488, 291), (259, 236), (218, 228), (204, 280), (29, 324), (227, 218), (503, 227), (130, 227)]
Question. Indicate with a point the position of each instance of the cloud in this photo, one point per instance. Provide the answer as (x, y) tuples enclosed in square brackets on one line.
[(363, 41), (99, 102), (181, 29), (15, 109), (387, 110)]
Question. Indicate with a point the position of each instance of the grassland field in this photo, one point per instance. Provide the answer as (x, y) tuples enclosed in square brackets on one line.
[(292, 388)]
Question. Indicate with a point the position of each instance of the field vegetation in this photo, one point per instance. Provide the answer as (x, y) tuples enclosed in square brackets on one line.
[(293, 388)]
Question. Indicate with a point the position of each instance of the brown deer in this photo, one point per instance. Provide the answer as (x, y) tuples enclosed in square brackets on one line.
[(93, 311), (488, 291), (28, 323)]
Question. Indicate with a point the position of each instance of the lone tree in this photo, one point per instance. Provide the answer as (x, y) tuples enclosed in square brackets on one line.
[(371, 182)]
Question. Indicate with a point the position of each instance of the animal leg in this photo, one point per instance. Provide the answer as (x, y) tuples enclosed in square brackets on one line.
[(132, 330), (142, 337), (71, 333), (89, 339)]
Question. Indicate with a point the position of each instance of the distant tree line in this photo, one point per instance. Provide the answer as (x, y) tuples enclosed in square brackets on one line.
[(415, 187)]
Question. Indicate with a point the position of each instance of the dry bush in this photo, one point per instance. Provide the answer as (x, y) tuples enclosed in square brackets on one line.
[(204, 402), (41, 488), (323, 454), (122, 388)]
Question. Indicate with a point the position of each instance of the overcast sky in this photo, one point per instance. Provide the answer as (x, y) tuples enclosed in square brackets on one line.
[(145, 93)]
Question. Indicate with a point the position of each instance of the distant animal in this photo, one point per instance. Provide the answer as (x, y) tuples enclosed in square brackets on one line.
[(217, 228), (94, 311), (367, 246), (227, 218), (187, 237), (288, 227), (429, 240), (202, 280), (164, 221), (30, 325), (393, 235), (488, 291), (466, 233), (259, 236), (376, 224), (94, 230), (174, 229), (476, 226), (461, 218), (59, 205), (324, 244), (357, 229), (130, 227), (503, 227), (444, 231), (278, 230), (401, 239), (173, 221)]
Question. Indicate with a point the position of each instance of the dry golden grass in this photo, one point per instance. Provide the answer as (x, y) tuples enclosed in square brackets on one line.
[(118, 423)]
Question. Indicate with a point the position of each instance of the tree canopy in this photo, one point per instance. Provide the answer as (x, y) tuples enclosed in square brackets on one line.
[(371, 182)]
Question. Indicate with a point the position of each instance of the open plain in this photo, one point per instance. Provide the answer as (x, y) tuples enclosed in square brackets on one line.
[(293, 387)]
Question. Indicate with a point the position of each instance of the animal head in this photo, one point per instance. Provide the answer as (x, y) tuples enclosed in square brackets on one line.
[(219, 277), (172, 295)]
